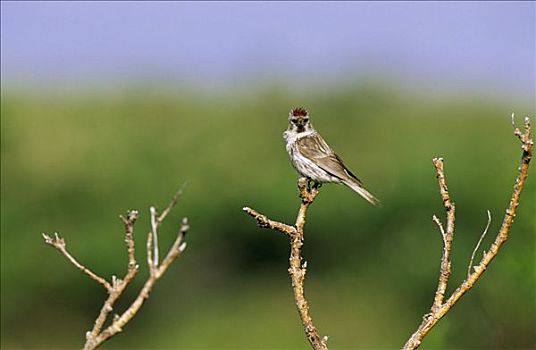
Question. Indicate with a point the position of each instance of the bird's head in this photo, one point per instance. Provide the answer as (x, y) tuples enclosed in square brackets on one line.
[(298, 120)]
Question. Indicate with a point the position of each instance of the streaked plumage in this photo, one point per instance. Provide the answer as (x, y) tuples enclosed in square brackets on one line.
[(313, 158)]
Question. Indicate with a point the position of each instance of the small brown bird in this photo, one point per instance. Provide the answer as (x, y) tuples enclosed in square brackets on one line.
[(313, 158)]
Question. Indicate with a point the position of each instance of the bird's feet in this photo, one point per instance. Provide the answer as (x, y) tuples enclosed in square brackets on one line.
[(314, 185), (308, 189)]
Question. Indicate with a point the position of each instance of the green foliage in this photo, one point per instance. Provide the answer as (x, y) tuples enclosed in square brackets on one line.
[(72, 163)]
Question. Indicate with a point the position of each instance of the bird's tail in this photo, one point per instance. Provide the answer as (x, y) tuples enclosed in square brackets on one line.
[(357, 187)]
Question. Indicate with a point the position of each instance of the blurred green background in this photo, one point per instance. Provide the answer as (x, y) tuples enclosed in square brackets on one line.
[(111, 106), (72, 162)]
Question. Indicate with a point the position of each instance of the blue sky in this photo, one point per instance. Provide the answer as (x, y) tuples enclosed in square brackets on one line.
[(450, 44)]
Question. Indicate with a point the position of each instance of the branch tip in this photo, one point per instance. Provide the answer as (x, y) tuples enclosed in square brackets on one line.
[(172, 203), (131, 217), (185, 226), (48, 239)]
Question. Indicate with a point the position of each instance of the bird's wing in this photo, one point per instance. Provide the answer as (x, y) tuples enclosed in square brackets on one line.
[(316, 149)]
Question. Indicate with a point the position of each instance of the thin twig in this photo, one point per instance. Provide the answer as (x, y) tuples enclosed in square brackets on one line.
[(176, 249), (150, 261), (129, 222), (154, 232), (478, 244), (439, 310), (152, 236), (440, 226), (447, 235), (264, 222), (172, 203), (297, 270), (59, 243)]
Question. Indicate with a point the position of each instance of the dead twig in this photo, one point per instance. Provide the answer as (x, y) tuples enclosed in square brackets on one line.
[(478, 245), (447, 235), (59, 243), (297, 270), (440, 307), (115, 289)]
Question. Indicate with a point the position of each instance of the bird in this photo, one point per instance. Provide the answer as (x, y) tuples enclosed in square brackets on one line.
[(314, 159)]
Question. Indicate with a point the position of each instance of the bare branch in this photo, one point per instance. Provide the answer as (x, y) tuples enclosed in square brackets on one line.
[(172, 203), (440, 226), (439, 309), (264, 222), (129, 222), (297, 270), (118, 285), (120, 321), (107, 307), (59, 243), (478, 244), (154, 233), (176, 249), (97, 336), (152, 236), (150, 261), (447, 235)]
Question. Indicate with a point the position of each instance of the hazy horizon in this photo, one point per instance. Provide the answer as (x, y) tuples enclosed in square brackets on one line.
[(447, 47)]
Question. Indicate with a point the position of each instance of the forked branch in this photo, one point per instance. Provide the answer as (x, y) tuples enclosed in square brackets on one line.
[(297, 269), (117, 286), (440, 307)]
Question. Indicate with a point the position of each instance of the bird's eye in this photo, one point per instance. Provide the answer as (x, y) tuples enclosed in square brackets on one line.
[(306, 119), (294, 120)]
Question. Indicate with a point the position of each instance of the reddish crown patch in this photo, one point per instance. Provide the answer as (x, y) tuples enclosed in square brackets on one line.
[(299, 112)]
